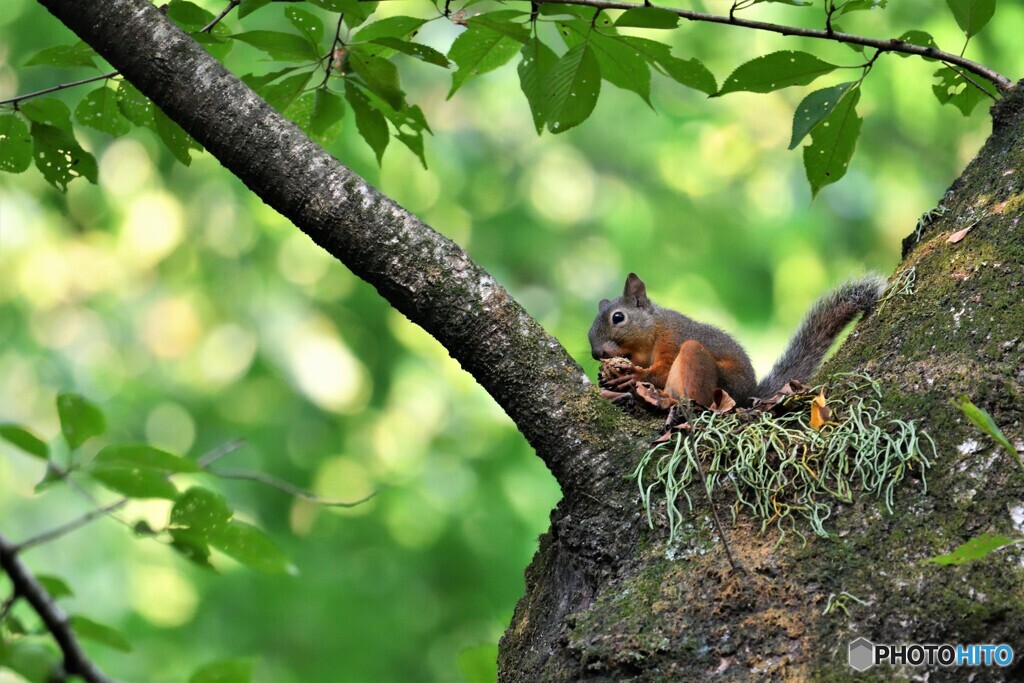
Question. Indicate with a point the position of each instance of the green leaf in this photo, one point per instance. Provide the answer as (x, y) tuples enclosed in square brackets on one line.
[(833, 140), (859, 5), (190, 546), (538, 60), (55, 586), (80, 419), (50, 477), (201, 511), (972, 15), (370, 123), (79, 54), (48, 111), (479, 664), (98, 633), (15, 144), (144, 457), (573, 86), (506, 22), (554, 10), (99, 110), (250, 546), (953, 89), (319, 114), (280, 46), (391, 27), (30, 659), (280, 95), (920, 38), (379, 75), (619, 63), (814, 108), (974, 549), (60, 158), (794, 3), (135, 106), (477, 51), (417, 50), (249, 6), (174, 137), (355, 11), (308, 24), (188, 15), (688, 72), (983, 421), (25, 440), (134, 482), (775, 71), (223, 671), (648, 17)]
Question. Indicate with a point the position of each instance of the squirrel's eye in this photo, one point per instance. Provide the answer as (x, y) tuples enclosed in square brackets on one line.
[(618, 317)]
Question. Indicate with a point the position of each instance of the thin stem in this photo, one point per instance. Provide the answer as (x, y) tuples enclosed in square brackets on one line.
[(57, 532), (113, 74), (1002, 83), (76, 662), (290, 489), (62, 86), (219, 452)]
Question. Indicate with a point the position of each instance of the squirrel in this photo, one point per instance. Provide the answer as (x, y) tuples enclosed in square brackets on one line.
[(689, 359)]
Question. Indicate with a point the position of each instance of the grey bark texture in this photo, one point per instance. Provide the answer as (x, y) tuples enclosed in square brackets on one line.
[(603, 600)]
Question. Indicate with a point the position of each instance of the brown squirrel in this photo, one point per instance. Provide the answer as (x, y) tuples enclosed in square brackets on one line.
[(691, 359)]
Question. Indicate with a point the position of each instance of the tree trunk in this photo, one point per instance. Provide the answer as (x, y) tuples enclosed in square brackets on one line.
[(961, 331), (603, 600)]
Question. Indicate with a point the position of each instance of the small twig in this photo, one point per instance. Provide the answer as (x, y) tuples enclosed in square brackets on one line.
[(76, 662), (219, 452), (334, 48), (62, 86), (286, 487), (57, 532), (113, 74), (7, 604)]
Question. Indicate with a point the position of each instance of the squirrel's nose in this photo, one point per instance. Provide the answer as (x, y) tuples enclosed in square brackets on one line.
[(606, 350)]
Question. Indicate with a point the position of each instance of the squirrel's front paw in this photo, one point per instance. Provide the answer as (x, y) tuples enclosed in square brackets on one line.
[(617, 374)]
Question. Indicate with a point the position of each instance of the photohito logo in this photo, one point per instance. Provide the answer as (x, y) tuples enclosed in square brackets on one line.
[(864, 654)]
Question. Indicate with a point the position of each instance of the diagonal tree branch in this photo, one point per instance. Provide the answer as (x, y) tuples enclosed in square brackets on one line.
[(420, 272), (76, 662)]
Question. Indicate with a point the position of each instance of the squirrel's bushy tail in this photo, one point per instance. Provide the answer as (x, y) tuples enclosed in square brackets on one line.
[(819, 329)]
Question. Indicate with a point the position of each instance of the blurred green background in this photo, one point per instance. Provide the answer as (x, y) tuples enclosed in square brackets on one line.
[(195, 315)]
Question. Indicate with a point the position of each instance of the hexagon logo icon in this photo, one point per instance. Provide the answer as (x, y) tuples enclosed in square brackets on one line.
[(862, 654)]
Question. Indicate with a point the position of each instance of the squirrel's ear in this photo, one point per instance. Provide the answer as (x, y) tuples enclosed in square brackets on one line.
[(636, 290), (603, 305)]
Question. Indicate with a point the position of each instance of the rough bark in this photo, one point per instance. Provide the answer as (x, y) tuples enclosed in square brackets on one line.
[(604, 600)]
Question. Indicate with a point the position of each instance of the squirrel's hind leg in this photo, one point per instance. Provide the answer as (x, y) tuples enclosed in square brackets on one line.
[(694, 374)]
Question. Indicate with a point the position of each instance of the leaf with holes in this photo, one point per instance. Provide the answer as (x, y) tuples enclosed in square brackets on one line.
[(814, 108), (282, 47), (319, 114), (538, 59), (953, 89), (573, 87), (99, 110), (648, 17), (477, 51), (833, 140), (370, 123), (250, 546), (620, 64), (135, 106), (201, 511), (174, 137), (776, 71), (972, 15), (15, 144), (308, 24)]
